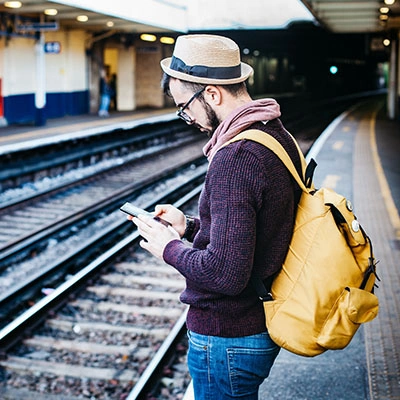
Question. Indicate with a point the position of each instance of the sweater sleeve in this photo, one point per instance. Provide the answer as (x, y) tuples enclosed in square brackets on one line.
[(233, 189)]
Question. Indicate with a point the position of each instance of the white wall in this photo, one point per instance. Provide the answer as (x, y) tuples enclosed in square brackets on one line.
[(2, 45), (126, 79), (66, 72), (19, 67), (148, 75)]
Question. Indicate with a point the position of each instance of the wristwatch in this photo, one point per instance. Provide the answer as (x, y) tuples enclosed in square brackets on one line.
[(190, 227)]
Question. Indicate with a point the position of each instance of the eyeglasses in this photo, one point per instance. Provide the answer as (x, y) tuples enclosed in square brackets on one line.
[(181, 112)]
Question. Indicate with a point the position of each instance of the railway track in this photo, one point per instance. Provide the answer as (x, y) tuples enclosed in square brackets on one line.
[(100, 344), (71, 219), (30, 162), (145, 321), (105, 329), (23, 220)]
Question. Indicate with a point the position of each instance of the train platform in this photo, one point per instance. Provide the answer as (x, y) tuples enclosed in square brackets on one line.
[(56, 129), (358, 156)]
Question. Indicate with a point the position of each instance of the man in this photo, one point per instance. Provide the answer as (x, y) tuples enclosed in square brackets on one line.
[(105, 93), (246, 217)]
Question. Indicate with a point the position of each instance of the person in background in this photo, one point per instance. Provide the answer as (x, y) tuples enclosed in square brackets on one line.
[(113, 86), (245, 223), (105, 94)]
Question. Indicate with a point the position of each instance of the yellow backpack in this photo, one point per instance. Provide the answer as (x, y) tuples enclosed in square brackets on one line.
[(324, 291)]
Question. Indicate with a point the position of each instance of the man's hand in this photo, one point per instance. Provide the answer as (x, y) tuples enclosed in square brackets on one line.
[(156, 235), (173, 215)]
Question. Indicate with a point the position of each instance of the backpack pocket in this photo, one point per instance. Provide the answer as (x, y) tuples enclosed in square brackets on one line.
[(353, 307)]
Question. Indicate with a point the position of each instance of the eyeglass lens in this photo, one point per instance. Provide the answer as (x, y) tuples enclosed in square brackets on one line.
[(181, 112)]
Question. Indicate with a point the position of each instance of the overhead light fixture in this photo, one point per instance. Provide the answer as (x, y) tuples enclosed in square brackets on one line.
[(384, 10), (167, 40), (110, 24), (389, 2), (13, 4), (383, 17), (386, 42), (51, 11), (82, 18), (148, 38)]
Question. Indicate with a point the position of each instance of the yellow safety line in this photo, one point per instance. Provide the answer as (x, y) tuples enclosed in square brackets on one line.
[(385, 188)]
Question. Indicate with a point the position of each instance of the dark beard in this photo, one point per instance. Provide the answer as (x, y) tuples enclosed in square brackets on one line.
[(213, 120)]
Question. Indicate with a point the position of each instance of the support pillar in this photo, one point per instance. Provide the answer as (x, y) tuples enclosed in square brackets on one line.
[(40, 93), (393, 89)]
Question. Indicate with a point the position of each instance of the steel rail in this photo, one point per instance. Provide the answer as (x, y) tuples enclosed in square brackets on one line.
[(25, 242), (142, 385), (20, 161), (65, 185), (11, 332)]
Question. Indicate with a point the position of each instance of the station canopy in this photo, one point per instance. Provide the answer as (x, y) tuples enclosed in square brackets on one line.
[(181, 16), (356, 16)]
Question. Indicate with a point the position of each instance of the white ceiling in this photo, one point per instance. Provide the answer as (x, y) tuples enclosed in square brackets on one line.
[(169, 15), (245, 14), (68, 11), (341, 16)]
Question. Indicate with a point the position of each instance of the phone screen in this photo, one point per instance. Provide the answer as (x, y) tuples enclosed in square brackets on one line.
[(130, 209)]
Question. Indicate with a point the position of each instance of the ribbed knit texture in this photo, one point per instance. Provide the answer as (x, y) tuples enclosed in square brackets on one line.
[(246, 212)]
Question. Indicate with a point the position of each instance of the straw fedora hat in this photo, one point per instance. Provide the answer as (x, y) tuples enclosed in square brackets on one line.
[(208, 59)]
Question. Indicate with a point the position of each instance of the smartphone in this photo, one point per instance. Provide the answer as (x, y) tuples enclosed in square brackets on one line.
[(130, 209)]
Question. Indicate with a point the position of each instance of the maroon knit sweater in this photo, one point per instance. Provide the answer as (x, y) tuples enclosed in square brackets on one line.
[(246, 217)]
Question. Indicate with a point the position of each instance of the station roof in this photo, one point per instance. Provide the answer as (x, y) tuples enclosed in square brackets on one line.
[(356, 16), (100, 15), (173, 15), (339, 16)]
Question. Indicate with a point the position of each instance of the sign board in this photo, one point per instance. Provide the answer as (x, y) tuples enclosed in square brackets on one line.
[(38, 26), (52, 47)]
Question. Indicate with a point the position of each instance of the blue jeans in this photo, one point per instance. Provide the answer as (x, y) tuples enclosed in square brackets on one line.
[(104, 104), (229, 368)]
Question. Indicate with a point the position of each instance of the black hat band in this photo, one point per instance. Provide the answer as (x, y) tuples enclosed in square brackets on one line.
[(202, 71)]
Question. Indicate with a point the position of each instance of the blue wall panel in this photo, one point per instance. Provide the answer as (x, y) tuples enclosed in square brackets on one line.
[(61, 104), (55, 105), (78, 103), (20, 109)]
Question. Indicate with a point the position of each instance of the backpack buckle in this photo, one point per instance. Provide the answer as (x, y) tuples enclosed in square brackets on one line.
[(267, 297)]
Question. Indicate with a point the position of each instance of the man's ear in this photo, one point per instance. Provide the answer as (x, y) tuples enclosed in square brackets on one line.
[(213, 94)]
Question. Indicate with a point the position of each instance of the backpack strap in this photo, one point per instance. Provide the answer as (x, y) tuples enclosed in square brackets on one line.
[(305, 182), (310, 173), (260, 288)]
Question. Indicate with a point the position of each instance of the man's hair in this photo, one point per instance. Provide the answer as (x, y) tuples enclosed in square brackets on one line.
[(235, 89)]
